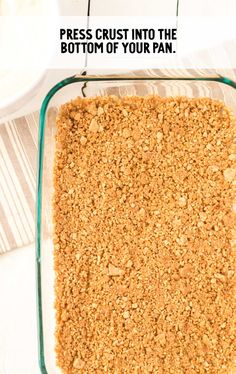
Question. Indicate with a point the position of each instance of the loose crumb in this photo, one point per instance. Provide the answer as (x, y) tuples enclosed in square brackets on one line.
[(78, 363), (83, 141), (114, 271), (93, 127), (229, 174), (126, 314), (144, 236)]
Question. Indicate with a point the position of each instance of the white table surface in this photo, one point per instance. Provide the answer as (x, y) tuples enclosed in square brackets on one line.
[(18, 337)]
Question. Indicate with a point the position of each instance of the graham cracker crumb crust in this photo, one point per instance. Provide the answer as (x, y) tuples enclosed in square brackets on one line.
[(144, 236)]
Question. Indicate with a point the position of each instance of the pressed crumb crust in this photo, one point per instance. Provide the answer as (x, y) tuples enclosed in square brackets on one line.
[(144, 241)]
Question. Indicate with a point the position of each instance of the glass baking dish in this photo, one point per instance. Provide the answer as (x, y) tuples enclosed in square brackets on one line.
[(216, 87)]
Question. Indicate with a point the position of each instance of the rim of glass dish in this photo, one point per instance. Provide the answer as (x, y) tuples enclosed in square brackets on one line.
[(70, 80)]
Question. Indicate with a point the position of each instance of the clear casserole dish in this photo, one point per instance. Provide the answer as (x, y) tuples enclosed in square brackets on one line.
[(215, 87)]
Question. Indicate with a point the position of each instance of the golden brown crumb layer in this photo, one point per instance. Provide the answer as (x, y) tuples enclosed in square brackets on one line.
[(144, 249)]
